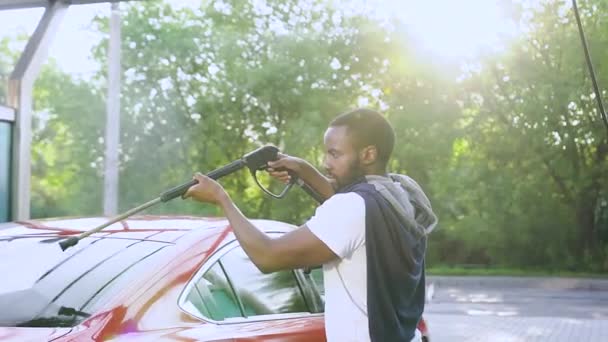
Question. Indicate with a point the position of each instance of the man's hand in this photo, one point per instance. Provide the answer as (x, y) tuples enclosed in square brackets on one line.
[(279, 169), (207, 190)]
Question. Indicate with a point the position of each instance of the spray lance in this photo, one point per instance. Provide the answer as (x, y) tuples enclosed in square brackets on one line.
[(255, 161)]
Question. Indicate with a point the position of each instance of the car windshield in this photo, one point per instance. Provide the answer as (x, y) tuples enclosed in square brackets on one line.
[(52, 288)]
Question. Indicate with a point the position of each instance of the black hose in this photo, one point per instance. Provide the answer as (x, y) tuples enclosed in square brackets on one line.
[(596, 89)]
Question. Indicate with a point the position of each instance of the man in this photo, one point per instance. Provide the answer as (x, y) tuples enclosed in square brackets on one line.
[(369, 234)]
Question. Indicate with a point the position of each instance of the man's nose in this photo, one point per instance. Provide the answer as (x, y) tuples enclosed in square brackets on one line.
[(326, 165)]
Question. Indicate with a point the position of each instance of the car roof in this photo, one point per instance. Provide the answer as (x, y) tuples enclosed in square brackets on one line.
[(70, 275), (148, 227), (167, 228)]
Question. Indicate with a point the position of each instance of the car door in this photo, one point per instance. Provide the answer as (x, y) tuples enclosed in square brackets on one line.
[(234, 300)]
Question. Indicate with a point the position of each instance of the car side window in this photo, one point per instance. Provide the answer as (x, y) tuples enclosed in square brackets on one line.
[(262, 294), (316, 280), (212, 297), (233, 287)]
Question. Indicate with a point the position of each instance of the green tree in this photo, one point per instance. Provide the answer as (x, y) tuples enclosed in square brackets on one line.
[(66, 127), (204, 87), (67, 146), (537, 143), (512, 152)]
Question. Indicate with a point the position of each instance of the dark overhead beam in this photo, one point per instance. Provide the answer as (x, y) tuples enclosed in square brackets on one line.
[(20, 4)]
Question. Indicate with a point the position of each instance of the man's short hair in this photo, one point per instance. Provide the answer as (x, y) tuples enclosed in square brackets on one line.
[(368, 127)]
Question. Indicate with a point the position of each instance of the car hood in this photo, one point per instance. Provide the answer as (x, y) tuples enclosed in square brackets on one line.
[(11, 334)]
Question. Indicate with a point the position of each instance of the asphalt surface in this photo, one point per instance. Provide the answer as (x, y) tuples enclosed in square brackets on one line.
[(514, 309)]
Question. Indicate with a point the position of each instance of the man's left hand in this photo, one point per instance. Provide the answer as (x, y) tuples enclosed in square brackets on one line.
[(207, 190)]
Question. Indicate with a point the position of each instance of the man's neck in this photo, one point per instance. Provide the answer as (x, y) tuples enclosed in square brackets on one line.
[(375, 172)]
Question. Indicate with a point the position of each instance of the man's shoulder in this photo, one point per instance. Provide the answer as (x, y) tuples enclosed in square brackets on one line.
[(343, 198), (347, 204), (359, 188)]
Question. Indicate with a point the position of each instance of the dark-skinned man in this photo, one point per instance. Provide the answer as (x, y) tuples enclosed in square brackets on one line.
[(369, 234)]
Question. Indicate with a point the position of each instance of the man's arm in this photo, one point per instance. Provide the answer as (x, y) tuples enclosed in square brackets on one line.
[(307, 173), (317, 181), (296, 249)]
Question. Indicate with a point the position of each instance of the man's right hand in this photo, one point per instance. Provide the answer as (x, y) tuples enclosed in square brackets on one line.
[(285, 164), (280, 168)]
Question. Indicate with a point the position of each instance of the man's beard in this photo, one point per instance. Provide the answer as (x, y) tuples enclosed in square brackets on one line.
[(354, 172)]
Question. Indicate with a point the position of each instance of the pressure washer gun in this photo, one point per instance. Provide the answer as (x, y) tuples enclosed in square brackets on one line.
[(255, 161)]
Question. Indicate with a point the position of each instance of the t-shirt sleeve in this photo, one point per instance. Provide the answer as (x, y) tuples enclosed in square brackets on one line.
[(340, 223)]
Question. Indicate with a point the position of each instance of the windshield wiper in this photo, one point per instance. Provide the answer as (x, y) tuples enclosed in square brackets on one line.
[(65, 311), (66, 317)]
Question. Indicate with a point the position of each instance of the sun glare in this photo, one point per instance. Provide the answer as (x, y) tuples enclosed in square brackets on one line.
[(452, 29)]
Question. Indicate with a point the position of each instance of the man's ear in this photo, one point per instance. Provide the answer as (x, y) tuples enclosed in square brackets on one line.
[(368, 155)]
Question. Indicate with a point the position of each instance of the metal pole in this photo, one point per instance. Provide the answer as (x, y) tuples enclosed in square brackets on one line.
[(65, 244), (20, 91), (112, 137), (7, 117)]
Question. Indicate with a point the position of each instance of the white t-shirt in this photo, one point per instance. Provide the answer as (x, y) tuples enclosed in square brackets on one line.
[(340, 223)]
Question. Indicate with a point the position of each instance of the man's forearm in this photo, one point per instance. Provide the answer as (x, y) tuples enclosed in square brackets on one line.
[(311, 176), (255, 242)]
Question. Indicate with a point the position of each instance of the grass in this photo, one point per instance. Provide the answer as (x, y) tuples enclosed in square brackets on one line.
[(475, 270)]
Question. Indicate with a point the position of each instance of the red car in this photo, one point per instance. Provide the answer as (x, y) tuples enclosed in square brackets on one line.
[(150, 278)]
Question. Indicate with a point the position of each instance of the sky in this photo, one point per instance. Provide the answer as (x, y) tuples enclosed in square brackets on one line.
[(447, 28), (454, 28), (71, 46)]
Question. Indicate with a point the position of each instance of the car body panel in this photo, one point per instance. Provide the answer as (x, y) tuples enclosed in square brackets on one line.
[(147, 308), (10, 334)]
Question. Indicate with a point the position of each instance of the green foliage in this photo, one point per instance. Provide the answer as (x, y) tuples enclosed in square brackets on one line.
[(537, 146), (66, 149), (6, 61), (512, 152), (473, 270)]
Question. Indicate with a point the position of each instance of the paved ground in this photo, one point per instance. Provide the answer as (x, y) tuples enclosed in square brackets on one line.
[(511, 309)]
